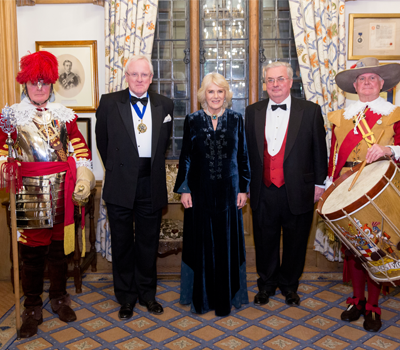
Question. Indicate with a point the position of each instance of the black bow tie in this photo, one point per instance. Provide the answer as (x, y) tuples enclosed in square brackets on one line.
[(143, 100), (275, 107)]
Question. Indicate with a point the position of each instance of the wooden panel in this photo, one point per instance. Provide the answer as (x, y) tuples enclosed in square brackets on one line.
[(9, 88), (194, 54), (253, 50)]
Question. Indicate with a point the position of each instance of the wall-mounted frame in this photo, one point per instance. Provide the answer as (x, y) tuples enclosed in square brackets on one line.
[(85, 127), (77, 86), (374, 35)]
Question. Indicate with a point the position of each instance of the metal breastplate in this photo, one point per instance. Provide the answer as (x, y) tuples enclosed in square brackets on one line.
[(40, 203), (44, 139)]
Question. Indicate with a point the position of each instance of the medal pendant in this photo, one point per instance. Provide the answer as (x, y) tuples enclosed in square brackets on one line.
[(142, 128)]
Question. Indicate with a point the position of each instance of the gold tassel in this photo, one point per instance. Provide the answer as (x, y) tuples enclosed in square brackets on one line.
[(69, 239)]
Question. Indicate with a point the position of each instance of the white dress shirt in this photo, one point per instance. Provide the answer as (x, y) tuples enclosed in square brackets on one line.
[(276, 125), (143, 140)]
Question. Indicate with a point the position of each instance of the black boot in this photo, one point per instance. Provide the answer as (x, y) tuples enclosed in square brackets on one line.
[(31, 318), (58, 269), (33, 263)]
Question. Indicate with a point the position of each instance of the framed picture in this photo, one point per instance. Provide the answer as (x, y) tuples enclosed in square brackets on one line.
[(374, 35), (77, 85), (85, 127)]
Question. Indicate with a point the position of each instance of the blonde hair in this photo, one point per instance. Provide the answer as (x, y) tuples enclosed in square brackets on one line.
[(137, 58), (218, 80), (280, 64)]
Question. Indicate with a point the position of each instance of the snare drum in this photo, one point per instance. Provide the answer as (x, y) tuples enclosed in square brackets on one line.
[(367, 218)]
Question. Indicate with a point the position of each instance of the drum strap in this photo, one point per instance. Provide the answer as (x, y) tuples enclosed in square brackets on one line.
[(351, 140)]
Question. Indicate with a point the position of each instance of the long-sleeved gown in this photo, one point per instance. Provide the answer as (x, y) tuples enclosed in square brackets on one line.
[(214, 168)]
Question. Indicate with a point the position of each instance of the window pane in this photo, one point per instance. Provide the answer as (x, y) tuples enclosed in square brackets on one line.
[(155, 68), (179, 70), (180, 90), (164, 9), (164, 30), (165, 70), (238, 89), (165, 49), (239, 106), (209, 67), (179, 30), (179, 9), (180, 109), (178, 125), (165, 89), (210, 30), (154, 52), (238, 70), (179, 48), (268, 29)]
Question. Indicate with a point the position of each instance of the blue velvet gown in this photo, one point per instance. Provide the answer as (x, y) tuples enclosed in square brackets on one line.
[(214, 168)]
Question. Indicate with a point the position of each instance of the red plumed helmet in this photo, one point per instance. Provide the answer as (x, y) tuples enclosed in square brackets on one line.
[(41, 65)]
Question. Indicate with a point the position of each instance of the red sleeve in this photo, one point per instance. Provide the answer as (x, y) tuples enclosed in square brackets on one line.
[(332, 152), (81, 149), (396, 129)]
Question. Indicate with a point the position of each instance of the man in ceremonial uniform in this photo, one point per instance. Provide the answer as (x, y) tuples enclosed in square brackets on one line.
[(354, 130), (132, 132), (54, 159)]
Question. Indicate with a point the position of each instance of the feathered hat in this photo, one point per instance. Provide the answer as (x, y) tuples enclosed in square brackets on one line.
[(389, 72), (41, 65)]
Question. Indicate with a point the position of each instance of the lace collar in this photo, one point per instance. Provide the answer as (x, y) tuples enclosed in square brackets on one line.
[(378, 106), (25, 111)]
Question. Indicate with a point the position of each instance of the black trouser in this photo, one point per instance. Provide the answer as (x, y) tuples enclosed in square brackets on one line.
[(33, 265), (134, 255), (271, 216)]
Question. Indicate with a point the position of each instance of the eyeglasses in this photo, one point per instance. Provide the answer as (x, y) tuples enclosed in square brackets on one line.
[(143, 76), (371, 79), (279, 80)]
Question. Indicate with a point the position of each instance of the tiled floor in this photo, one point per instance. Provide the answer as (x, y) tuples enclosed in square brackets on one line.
[(315, 324)]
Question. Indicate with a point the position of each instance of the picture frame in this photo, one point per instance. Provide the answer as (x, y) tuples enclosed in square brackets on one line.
[(85, 127), (374, 35), (77, 86)]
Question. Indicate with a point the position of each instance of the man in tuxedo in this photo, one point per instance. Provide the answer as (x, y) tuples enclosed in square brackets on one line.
[(288, 160), (132, 133)]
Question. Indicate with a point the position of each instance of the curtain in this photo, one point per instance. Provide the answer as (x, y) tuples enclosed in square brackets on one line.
[(9, 88), (320, 36), (33, 2), (129, 30), (130, 27)]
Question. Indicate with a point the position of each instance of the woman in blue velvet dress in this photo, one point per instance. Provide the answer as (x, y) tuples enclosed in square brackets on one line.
[(213, 178)]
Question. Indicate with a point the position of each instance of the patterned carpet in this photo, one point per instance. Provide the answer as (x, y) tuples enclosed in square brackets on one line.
[(315, 324)]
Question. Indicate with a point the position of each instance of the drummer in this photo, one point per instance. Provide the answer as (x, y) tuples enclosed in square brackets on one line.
[(351, 137)]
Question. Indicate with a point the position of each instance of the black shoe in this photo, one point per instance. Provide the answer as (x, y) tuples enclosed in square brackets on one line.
[(30, 327), (262, 297), (372, 321), (353, 313), (126, 311), (153, 306), (292, 299)]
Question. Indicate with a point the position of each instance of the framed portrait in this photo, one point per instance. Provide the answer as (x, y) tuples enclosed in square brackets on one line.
[(374, 35), (77, 85), (85, 127)]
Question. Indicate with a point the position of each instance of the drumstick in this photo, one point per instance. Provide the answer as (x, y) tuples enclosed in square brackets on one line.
[(364, 163)]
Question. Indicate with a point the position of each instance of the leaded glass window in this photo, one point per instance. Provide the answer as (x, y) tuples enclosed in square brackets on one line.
[(171, 74), (224, 45), (277, 42)]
